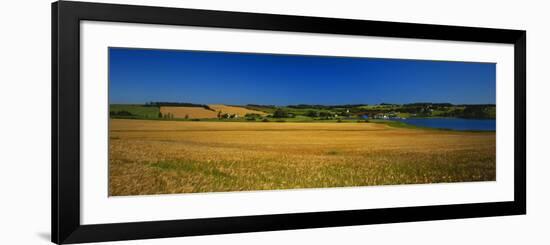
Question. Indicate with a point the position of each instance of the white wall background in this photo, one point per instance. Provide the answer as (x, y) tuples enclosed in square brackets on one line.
[(25, 124)]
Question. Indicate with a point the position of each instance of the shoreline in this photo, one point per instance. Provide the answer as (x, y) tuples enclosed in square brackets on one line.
[(388, 122)]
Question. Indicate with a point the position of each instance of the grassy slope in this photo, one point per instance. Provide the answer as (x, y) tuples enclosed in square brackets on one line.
[(238, 110), (189, 112), (138, 110)]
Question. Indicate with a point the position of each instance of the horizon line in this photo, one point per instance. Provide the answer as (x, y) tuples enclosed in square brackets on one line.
[(307, 104)]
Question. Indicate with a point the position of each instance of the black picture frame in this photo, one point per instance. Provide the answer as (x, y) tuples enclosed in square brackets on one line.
[(66, 17)]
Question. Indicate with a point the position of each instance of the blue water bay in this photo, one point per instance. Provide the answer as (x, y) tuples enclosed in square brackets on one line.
[(453, 123)]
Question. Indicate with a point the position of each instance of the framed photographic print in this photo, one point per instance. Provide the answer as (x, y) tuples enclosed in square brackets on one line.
[(176, 122)]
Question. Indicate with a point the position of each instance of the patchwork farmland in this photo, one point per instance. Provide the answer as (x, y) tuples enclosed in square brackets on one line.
[(207, 112), (236, 110), (188, 112)]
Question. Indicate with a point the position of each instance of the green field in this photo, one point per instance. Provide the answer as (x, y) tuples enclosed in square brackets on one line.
[(136, 111)]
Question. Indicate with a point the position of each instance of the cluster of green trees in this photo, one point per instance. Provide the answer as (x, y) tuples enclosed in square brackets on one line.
[(226, 115), (252, 116), (281, 113), (478, 112), (326, 114), (169, 116), (319, 114), (120, 114), (325, 107), (481, 111)]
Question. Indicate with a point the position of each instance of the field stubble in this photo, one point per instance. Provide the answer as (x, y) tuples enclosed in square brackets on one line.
[(159, 157)]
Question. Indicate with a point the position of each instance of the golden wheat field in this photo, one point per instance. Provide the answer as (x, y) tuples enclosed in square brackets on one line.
[(189, 112), (200, 112), (157, 157), (235, 110)]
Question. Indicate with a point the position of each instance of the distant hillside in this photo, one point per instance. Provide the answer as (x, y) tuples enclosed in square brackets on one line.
[(181, 104), (479, 111), (236, 110), (187, 112), (302, 112)]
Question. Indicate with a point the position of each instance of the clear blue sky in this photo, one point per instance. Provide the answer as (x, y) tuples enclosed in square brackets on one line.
[(143, 75)]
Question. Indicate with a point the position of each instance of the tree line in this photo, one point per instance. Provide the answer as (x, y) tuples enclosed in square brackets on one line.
[(183, 104)]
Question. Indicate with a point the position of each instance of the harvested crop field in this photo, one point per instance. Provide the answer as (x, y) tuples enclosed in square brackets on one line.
[(158, 157), (188, 112), (241, 111)]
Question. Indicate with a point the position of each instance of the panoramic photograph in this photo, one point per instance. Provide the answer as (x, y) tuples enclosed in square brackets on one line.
[(184, 121)]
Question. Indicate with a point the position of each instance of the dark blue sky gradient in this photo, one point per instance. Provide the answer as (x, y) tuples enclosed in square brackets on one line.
[(142, 75)]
